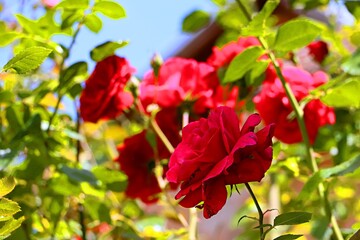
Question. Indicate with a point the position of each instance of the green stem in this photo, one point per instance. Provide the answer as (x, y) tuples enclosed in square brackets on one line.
[(261, 214), (161, 135)]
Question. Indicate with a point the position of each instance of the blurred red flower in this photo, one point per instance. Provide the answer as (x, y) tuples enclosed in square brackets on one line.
[(274, 106), (213, 153), (179, 79), (318, 50), (103, 96)]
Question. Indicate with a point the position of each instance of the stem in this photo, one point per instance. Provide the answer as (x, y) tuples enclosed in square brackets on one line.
[(300, 119), (161, 135), (261, 214), (192, 211)]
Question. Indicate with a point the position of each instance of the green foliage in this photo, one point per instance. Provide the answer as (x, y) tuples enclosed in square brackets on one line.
[(288, 237), (289, 38), (292, 218), (110, 9), (257, 25), (93, 22), (27, 60), (242, 63), (106, 49), (195, 21)]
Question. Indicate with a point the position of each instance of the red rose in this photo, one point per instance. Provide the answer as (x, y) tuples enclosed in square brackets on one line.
[(213, 153), (137, 158), (103, 96), (319, 50), (221, 57), (179, 79), (274, 106)]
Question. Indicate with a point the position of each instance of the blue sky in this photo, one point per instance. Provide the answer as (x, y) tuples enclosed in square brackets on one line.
[(150, 26)]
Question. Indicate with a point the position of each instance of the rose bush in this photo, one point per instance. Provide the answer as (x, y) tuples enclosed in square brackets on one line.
[(104, 96), (213, 153)]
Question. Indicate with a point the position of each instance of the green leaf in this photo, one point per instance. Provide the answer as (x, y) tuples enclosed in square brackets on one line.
[(342, 169), (8, 207), (9, 37), (288, 237), (6, 96), (295, 34), (69, 17), (10, 226), (7, 184), (115, 180), (29, 25), (110, 9), (71, 4), (195, 21), (258, 24), (28, 59), (242, 63), (106, 49), (344, 95), (74, 73), (292, 218), (79, 175), (220, 3), (352, 65), (93, 22)]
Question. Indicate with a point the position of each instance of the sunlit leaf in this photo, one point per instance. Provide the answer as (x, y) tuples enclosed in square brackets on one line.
[(345, 94), (8, 207), (292, 218), (296, 34), (27, 60), (70, 4), (195, 21), (242, 63), (257, 25), (10, 226), (8, 37), (110, 9), (6, 96), (106, 49), (93, 22), (7, 184)]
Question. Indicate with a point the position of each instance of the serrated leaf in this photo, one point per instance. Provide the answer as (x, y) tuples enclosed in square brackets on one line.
[(28, 59), (110, 9), (10, 226), (344, 95), (242, 63), (93, 22), (296, 34), (257, 25), (352, 65), (8, 207), (292, 218), (7, 184), (195, 21), (106, 49), (9, 37), (288, 237)]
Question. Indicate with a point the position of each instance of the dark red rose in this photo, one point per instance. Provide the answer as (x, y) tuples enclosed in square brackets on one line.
[(318, 50), (103, 96), (179, 79), (137, 158), (274, 106), (213, 153)]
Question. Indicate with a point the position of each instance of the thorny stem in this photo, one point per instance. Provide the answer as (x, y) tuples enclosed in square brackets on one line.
[(261, 214), (300, 119)]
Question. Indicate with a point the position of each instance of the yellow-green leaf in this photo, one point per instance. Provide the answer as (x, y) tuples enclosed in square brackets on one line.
[(110, 9), (7, 184), (8, 207)]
